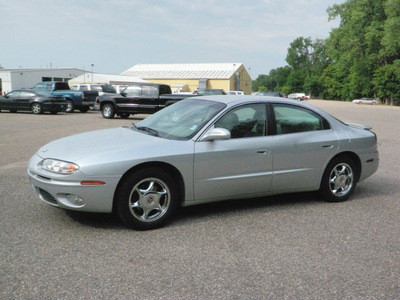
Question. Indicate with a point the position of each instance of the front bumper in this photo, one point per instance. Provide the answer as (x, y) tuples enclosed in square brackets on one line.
[(55, 106), (67, 192)]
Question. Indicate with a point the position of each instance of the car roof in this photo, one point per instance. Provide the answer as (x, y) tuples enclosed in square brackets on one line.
[(234, 99), (25, 90)]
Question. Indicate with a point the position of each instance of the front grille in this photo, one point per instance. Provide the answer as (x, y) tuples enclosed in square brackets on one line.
[(47, 196)]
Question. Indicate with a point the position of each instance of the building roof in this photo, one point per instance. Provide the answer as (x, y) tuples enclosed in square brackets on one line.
[(183, 71), (105, 78), (40, 70)]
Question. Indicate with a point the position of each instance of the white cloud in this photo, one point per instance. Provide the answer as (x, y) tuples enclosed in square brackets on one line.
[(114, 35)]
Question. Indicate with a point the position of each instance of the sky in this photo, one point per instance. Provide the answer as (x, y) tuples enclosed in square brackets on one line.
[(115, 35)]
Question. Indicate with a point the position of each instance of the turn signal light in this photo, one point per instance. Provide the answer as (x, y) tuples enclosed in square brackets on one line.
[(93, 183)]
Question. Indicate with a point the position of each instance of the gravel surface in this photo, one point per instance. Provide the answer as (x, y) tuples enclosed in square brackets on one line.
[(284, 247)]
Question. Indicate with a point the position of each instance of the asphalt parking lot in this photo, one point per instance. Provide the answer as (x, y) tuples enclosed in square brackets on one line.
[(284, 247)]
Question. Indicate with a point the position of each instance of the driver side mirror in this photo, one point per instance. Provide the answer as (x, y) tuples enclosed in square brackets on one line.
[(217, 134), (123, 94)]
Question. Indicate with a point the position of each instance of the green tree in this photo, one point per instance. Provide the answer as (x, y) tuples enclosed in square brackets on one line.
[(307, 59), (367, 40), (387, 83)]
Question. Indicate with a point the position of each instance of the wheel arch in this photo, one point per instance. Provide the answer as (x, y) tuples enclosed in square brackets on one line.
[(102, 103), (175, 173), (351, 155)]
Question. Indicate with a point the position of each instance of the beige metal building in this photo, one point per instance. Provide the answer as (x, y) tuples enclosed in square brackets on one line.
[(191, 77)]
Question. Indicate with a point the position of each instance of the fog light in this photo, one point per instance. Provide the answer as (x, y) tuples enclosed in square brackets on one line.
[(75, 200)]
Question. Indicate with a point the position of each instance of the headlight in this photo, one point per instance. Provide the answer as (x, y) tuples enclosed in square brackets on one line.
[(58, 166)]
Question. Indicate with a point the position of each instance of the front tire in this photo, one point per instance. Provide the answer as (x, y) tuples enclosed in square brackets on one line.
[(147, 199), (70, 107), (108, 111), (339, 179), (36, 108)]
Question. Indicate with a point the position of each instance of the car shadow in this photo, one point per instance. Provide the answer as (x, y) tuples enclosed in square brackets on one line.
[(196, 212), (96, 220), (244, 206)]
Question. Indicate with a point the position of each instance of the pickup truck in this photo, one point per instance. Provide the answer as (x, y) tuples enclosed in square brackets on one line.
[(140, 98), (81, 100)]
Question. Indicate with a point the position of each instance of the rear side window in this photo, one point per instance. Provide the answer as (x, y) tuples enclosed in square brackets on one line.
[(150, 91), (292, 119), (27, 94)]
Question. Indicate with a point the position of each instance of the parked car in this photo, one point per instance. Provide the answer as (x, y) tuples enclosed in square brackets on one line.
[(140, 98), (235, 93), (209, 92), (120, 87), (102, 89), (204, 149), (30, 100), (366, 101), (271, 94), (81, 100), (298, 96)]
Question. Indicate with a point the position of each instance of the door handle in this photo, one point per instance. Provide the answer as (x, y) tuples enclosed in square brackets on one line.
[(263, 151), (327, 146)]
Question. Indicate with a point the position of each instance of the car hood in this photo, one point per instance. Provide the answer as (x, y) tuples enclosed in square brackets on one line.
[(101, 144)]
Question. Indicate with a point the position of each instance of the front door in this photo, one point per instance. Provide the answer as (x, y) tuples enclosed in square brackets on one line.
[(238, 167)]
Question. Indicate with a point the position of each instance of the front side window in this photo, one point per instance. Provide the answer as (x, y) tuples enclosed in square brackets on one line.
[(133, 90), (245, 121), (292, 119)]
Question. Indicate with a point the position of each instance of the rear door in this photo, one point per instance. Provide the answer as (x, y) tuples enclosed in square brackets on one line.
[(149, 102), (303, 143)]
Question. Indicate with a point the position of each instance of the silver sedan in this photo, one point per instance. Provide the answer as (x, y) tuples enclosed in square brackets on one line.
[(204, 149), (366, 101)]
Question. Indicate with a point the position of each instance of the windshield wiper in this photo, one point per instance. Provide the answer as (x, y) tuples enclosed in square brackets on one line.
[(148, 130)]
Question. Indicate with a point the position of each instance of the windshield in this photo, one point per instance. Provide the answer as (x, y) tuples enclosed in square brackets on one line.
[(182, 120)]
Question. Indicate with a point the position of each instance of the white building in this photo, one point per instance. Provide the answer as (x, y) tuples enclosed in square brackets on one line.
[(13, 79), (104, 79)]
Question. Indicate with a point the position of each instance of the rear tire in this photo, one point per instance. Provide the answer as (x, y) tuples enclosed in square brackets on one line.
[(339, 179), (147, 199)]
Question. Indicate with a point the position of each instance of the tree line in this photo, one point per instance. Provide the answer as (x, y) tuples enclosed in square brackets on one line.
[(360, 58)]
